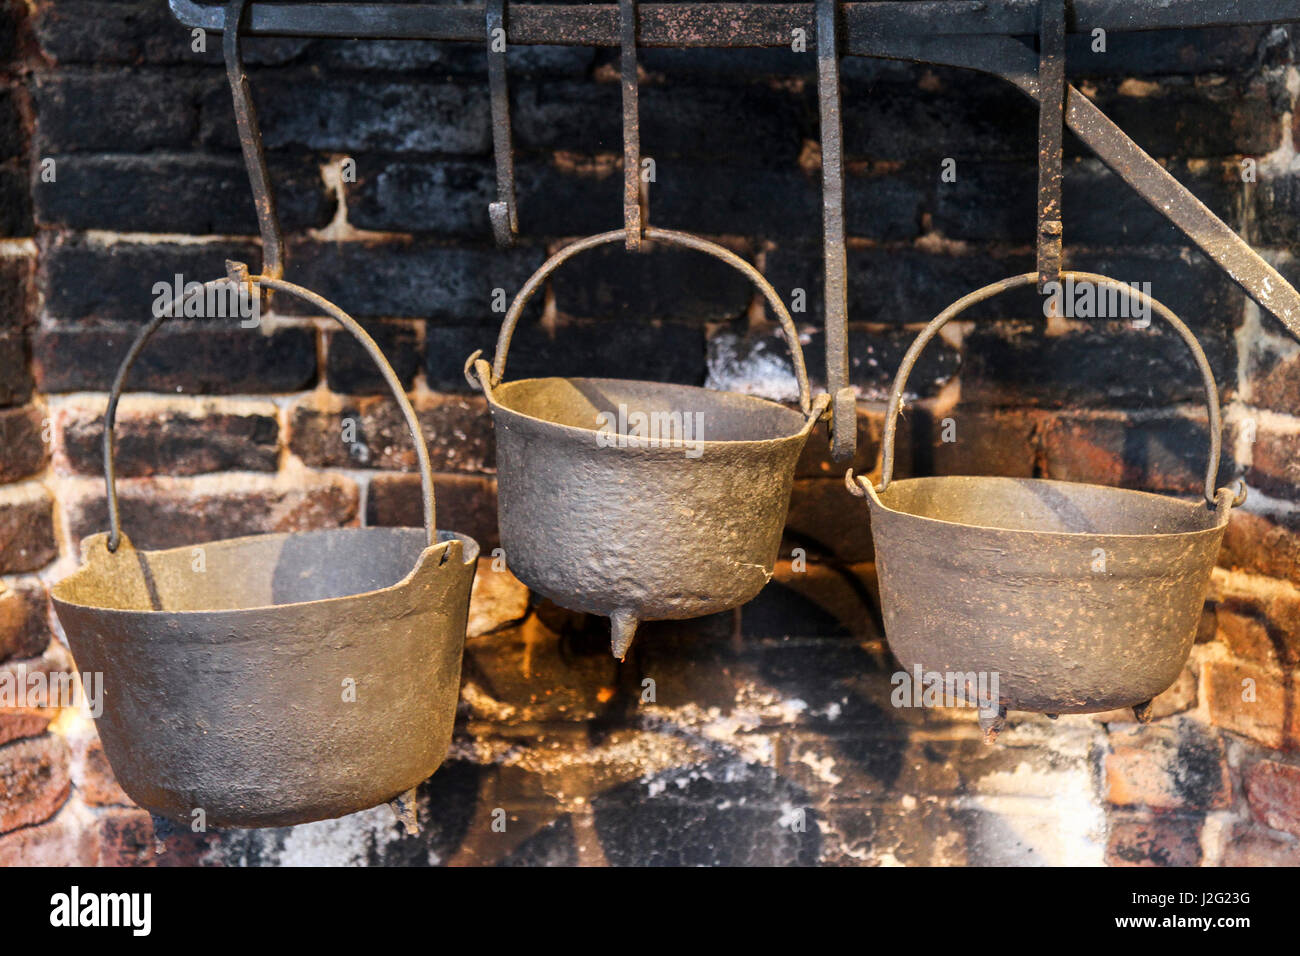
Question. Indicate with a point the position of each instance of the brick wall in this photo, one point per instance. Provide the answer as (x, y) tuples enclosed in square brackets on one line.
[(783, 705)]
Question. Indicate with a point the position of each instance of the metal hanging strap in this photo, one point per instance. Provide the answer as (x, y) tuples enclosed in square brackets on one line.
[(504, 213), (844, 415), (250, 141), (1051, 137), (635, 213)]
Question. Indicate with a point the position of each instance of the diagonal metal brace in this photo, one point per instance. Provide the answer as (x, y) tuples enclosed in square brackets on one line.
[(1014, 62)]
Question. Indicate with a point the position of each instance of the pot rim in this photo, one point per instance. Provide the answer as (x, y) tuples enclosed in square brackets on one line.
[(577, 430), (1224, 511), (96, 542)]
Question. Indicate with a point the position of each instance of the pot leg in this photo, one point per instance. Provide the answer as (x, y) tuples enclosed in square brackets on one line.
[(403, 808), (992, 719), (162, 829), (1142, 712), (622, 629)]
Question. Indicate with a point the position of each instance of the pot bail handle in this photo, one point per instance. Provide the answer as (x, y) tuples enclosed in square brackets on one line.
[(250, 142), (238, 278), (673, 237), (1031, 278)]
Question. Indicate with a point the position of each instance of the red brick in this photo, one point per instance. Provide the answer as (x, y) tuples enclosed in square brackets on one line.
[(24, 620), (34, 781), (26, 528), (457, 430), (1275, 464), (498, 599), (1166, 454), (824, 519), (1249, 847), (125, 838), (466, 503), (15, 375), (1167, 766), (63, 841), (1272, 718), (1275, 375), (19, 722), (171, 512), (166, 437), (1158, 840), (1002, 442), (1259, 619), (94, 778), (23, 448), (1273, 791), (1264, 544)]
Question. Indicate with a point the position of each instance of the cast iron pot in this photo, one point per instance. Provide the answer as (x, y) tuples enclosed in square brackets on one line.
[(274, 679), (601, 514), (1080, 598)]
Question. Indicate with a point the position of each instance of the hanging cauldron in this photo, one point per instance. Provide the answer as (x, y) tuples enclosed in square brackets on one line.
[(602, 511), (1079, 598), (274, 679)]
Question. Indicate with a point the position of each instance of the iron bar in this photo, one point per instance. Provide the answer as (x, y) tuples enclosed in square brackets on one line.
[(729, 24), (504, 213), (250, 141), (972, 34), (1051, 137), (844, 417), (633, 206)]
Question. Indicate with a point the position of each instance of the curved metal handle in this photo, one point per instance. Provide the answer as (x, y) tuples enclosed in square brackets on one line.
[(239, 275), (250, 141), (1031, 278), (660, 235)]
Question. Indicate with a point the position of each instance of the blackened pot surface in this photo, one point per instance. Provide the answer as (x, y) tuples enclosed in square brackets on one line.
[(281, 678), (1080, 598), (658, 532)]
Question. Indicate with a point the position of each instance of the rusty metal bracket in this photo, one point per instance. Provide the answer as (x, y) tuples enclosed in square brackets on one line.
[(844, 413), (504, 213), (250, 141), (972, 34), (1011, 60), (1051, 138), (728, 24), (635, 197)]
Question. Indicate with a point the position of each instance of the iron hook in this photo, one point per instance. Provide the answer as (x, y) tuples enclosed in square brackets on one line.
[(635, 189), (504, 212), (1051, 138), (250, 142), (844, 413)]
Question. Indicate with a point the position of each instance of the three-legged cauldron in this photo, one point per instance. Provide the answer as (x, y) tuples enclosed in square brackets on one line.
[(603, 512)]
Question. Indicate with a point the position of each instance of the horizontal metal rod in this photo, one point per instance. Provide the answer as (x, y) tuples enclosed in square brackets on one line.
[(727, 24)]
